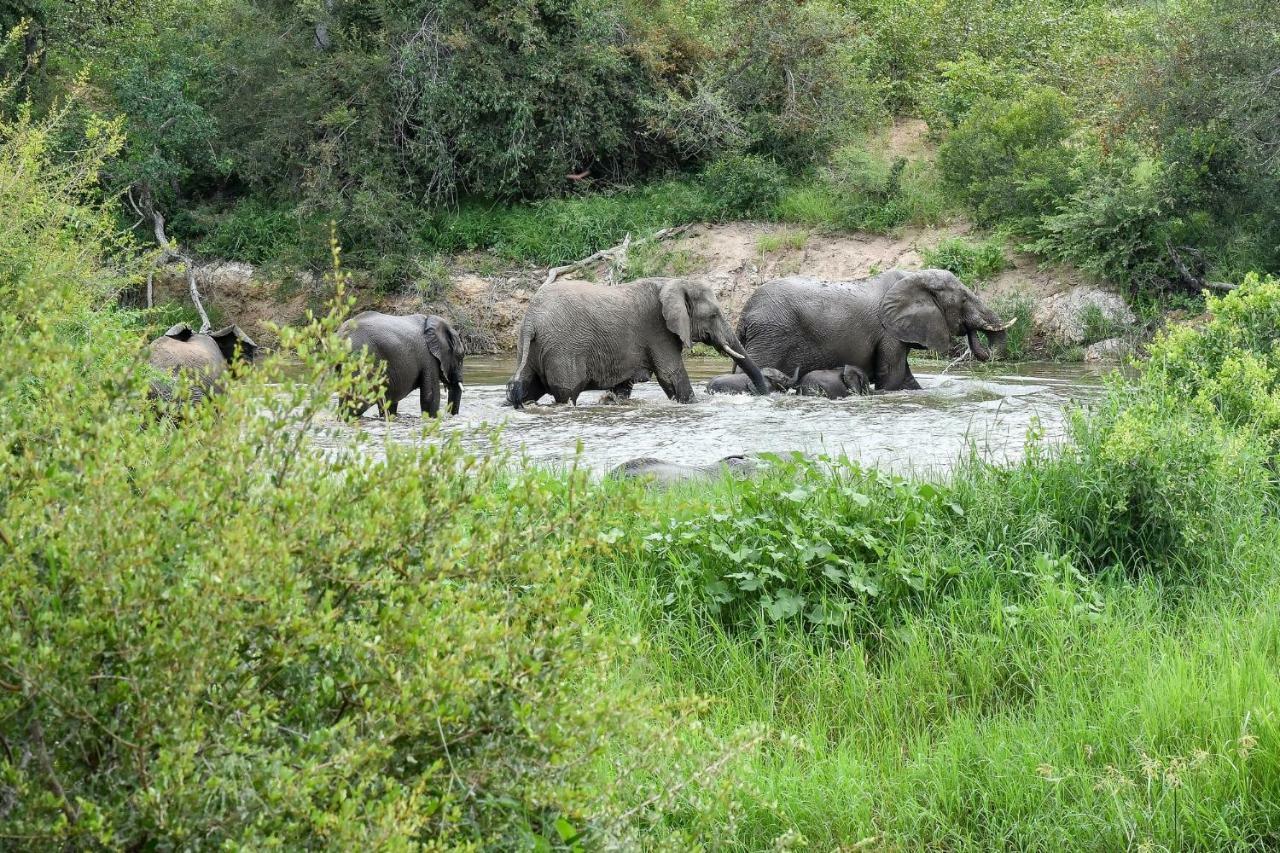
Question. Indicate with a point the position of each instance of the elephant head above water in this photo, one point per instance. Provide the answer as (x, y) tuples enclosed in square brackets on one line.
[(578, 336), (926, 309), (805, 324)]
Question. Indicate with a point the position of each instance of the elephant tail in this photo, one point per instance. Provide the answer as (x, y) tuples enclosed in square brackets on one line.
[(515, 389)]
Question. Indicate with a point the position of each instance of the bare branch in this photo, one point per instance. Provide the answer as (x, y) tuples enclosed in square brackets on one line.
[(169, 253), (612, 254)]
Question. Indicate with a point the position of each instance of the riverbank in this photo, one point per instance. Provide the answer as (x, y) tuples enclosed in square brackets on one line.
[(1063, 312)]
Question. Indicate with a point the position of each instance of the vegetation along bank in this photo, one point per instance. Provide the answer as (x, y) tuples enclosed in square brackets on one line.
[(211, 636)]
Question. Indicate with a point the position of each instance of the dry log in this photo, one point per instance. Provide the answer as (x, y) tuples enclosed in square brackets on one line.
[(614, 253)]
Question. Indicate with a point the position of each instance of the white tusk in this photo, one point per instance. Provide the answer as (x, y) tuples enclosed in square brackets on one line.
[(736, 355), (1006, 325)]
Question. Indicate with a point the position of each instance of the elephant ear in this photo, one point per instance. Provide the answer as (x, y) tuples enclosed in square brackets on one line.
[(446, 345), (911, 314), (675, 311), (232, 341), (179, 332)]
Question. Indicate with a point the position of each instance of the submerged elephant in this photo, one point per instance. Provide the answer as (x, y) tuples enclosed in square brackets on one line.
[(805, 324), (419, 352), (668, 473), (833, 384), (580, 337), (740, 383), (201, 356)]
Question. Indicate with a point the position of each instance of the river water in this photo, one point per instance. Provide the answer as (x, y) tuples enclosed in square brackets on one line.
[(908, 432)]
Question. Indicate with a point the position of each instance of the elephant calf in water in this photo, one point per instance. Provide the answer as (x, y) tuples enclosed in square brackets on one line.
[(834, 384), (418, 352), (669, 473), (740, 383), (204, 357)]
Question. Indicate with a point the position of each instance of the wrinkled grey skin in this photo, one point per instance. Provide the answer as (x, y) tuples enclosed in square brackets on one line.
[(580, 337), (203, 358), (833, 384), (419, 351), (669, 473), (804, 324), (740, 383)]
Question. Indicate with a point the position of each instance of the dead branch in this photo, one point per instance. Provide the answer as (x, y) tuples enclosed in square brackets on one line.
[(1195, 283), (612, 254), (168, 252)]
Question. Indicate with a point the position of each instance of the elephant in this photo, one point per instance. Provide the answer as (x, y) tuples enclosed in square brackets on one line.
[(203, 356), (578, 337), (669, 473), (740, 383), (804, 324), (833, 384), (419, 352)]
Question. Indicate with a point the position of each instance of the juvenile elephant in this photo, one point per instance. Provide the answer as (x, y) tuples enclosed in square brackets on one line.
[(668, 473), (204, 357), (805, 324), (740, 383), (833, 384), (579, 337), (419, 353)]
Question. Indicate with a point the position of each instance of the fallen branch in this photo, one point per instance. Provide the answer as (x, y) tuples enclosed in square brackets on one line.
[(614, 252), (1195, 283)]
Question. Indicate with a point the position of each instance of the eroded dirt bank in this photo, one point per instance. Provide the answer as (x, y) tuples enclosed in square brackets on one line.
[(734, 258)]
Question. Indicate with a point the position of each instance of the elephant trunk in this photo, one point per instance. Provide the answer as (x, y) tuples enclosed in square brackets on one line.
[(733, 348), (999, 341), (980, 352), (455, 397)]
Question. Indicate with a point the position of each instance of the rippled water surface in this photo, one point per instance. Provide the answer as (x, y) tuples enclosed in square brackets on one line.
[(907, 431)]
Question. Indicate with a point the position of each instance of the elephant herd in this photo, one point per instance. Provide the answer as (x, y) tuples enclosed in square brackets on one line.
[(828, 338)]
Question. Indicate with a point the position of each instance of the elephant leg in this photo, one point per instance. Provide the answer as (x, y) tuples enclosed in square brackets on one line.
[(674, 381), (909, 383), (622, 390), (892, 371), (429, 393)]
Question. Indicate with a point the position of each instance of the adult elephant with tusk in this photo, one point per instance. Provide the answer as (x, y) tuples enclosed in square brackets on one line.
[(805, 324), (580, 337)]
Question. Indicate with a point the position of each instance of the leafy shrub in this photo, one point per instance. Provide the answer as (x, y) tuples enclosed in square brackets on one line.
[(744, 185), (217, 636), (810, 544), (1116, 224), (1009, 159), (1018, 337), (971, 262), (964, 82)]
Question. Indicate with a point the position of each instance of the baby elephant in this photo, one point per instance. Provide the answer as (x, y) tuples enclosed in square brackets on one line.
[(740, 383), (669, 473), (834, 383)]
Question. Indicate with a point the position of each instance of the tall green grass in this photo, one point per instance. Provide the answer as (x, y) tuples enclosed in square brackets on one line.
[(1078, 652)]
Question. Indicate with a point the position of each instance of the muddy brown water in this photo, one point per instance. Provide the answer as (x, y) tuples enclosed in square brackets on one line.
[(992, 411)]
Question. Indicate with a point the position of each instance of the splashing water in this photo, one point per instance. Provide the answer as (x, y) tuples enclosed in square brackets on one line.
[(908, 432)]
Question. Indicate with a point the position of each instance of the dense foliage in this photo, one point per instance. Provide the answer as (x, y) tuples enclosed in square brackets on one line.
[(215, 636), (211, 635), (1138, 142)]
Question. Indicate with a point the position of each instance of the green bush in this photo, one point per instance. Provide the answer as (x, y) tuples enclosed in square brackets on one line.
[(218, 636), (971, 262), (1009, 160), (809, 544), (744, 185), (1018, 337)]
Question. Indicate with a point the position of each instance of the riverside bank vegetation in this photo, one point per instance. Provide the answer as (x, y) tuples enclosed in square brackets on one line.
[(215, 637)]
